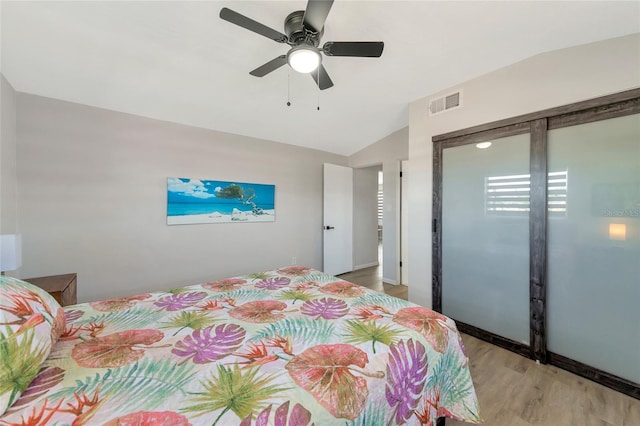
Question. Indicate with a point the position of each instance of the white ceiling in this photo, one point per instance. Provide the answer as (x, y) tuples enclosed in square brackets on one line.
[(178, 61)]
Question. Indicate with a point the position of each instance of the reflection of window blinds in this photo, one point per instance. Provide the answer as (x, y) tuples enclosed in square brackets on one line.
[(380, 203), (509, 195), (557, 193)]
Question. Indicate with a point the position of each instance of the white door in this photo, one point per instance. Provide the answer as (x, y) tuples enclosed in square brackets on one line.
[(404, 223), (338, 219)]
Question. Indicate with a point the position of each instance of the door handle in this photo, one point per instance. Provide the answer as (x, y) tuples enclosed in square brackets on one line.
[(329, 227)]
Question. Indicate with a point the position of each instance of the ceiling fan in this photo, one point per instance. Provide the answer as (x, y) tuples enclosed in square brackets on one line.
[(304, 30)]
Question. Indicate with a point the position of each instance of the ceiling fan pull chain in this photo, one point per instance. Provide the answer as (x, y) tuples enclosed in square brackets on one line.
[(289, 88), (318, 73)]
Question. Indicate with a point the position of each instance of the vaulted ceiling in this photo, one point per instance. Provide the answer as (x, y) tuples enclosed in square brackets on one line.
[(178, 61)]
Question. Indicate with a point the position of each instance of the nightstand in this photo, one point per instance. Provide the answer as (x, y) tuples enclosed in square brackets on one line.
[(61, 287)]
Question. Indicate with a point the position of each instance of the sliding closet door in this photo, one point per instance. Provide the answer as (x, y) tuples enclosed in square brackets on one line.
[(593, 281), (485, 236)]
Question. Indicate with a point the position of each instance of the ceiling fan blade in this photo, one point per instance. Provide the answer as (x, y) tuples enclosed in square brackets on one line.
[(251, 25), (363, 49), (325, 81), (316, 13), (272, 65)]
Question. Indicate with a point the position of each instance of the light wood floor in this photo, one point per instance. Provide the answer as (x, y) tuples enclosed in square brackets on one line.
[(515, 391), (372, 278)]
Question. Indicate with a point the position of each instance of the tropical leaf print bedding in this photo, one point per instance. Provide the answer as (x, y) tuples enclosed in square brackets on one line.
[(290, 347)]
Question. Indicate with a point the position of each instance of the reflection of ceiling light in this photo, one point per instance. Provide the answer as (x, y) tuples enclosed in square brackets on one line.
[(617, 231), (483, 145), (304, 59)]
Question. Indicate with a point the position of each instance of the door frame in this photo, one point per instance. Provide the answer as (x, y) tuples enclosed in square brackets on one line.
[(403, 243)]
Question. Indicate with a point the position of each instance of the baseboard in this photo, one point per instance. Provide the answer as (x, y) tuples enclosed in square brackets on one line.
[(366, 265), (388, 281)]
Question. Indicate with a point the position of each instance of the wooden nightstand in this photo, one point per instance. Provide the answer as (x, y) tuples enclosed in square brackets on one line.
[(61, 287)]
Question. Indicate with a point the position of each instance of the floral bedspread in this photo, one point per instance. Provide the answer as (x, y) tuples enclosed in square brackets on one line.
[(288, 347)]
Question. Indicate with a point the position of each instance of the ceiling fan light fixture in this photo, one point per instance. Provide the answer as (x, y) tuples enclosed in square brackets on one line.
[(304, 59)]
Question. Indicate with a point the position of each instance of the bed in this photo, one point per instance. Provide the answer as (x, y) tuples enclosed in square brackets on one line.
[(292, 347)]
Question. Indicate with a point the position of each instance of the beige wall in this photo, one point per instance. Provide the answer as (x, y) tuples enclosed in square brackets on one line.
[(543, 81), (93, 198), (388, 151), (8, 219)]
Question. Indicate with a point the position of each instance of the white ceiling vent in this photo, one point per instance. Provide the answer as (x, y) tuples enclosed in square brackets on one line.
[(445, 103)]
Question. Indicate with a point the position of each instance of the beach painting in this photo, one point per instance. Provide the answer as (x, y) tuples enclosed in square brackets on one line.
[(192, 201)]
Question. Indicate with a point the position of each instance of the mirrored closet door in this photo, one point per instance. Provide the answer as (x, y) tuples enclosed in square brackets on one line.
[(536, 236), (485, 235), (593, 275)]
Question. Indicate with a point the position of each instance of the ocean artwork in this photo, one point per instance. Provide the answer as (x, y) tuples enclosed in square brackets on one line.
[(192, 201)]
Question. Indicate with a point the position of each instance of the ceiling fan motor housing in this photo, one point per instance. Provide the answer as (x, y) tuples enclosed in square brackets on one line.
[(298, 33)]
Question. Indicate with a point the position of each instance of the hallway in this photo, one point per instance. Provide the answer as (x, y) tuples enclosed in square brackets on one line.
[(372, 278)]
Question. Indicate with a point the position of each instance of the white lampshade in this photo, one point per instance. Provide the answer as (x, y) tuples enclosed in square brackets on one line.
[(10, 252), (304, 59)]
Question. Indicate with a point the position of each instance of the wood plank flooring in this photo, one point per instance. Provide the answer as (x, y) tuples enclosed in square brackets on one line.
[(372, 278), (515, 391)]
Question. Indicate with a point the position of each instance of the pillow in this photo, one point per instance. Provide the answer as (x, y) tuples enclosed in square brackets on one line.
[(31, 321)]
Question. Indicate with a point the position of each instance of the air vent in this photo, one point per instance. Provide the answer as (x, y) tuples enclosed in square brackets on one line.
[(445, 103)]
